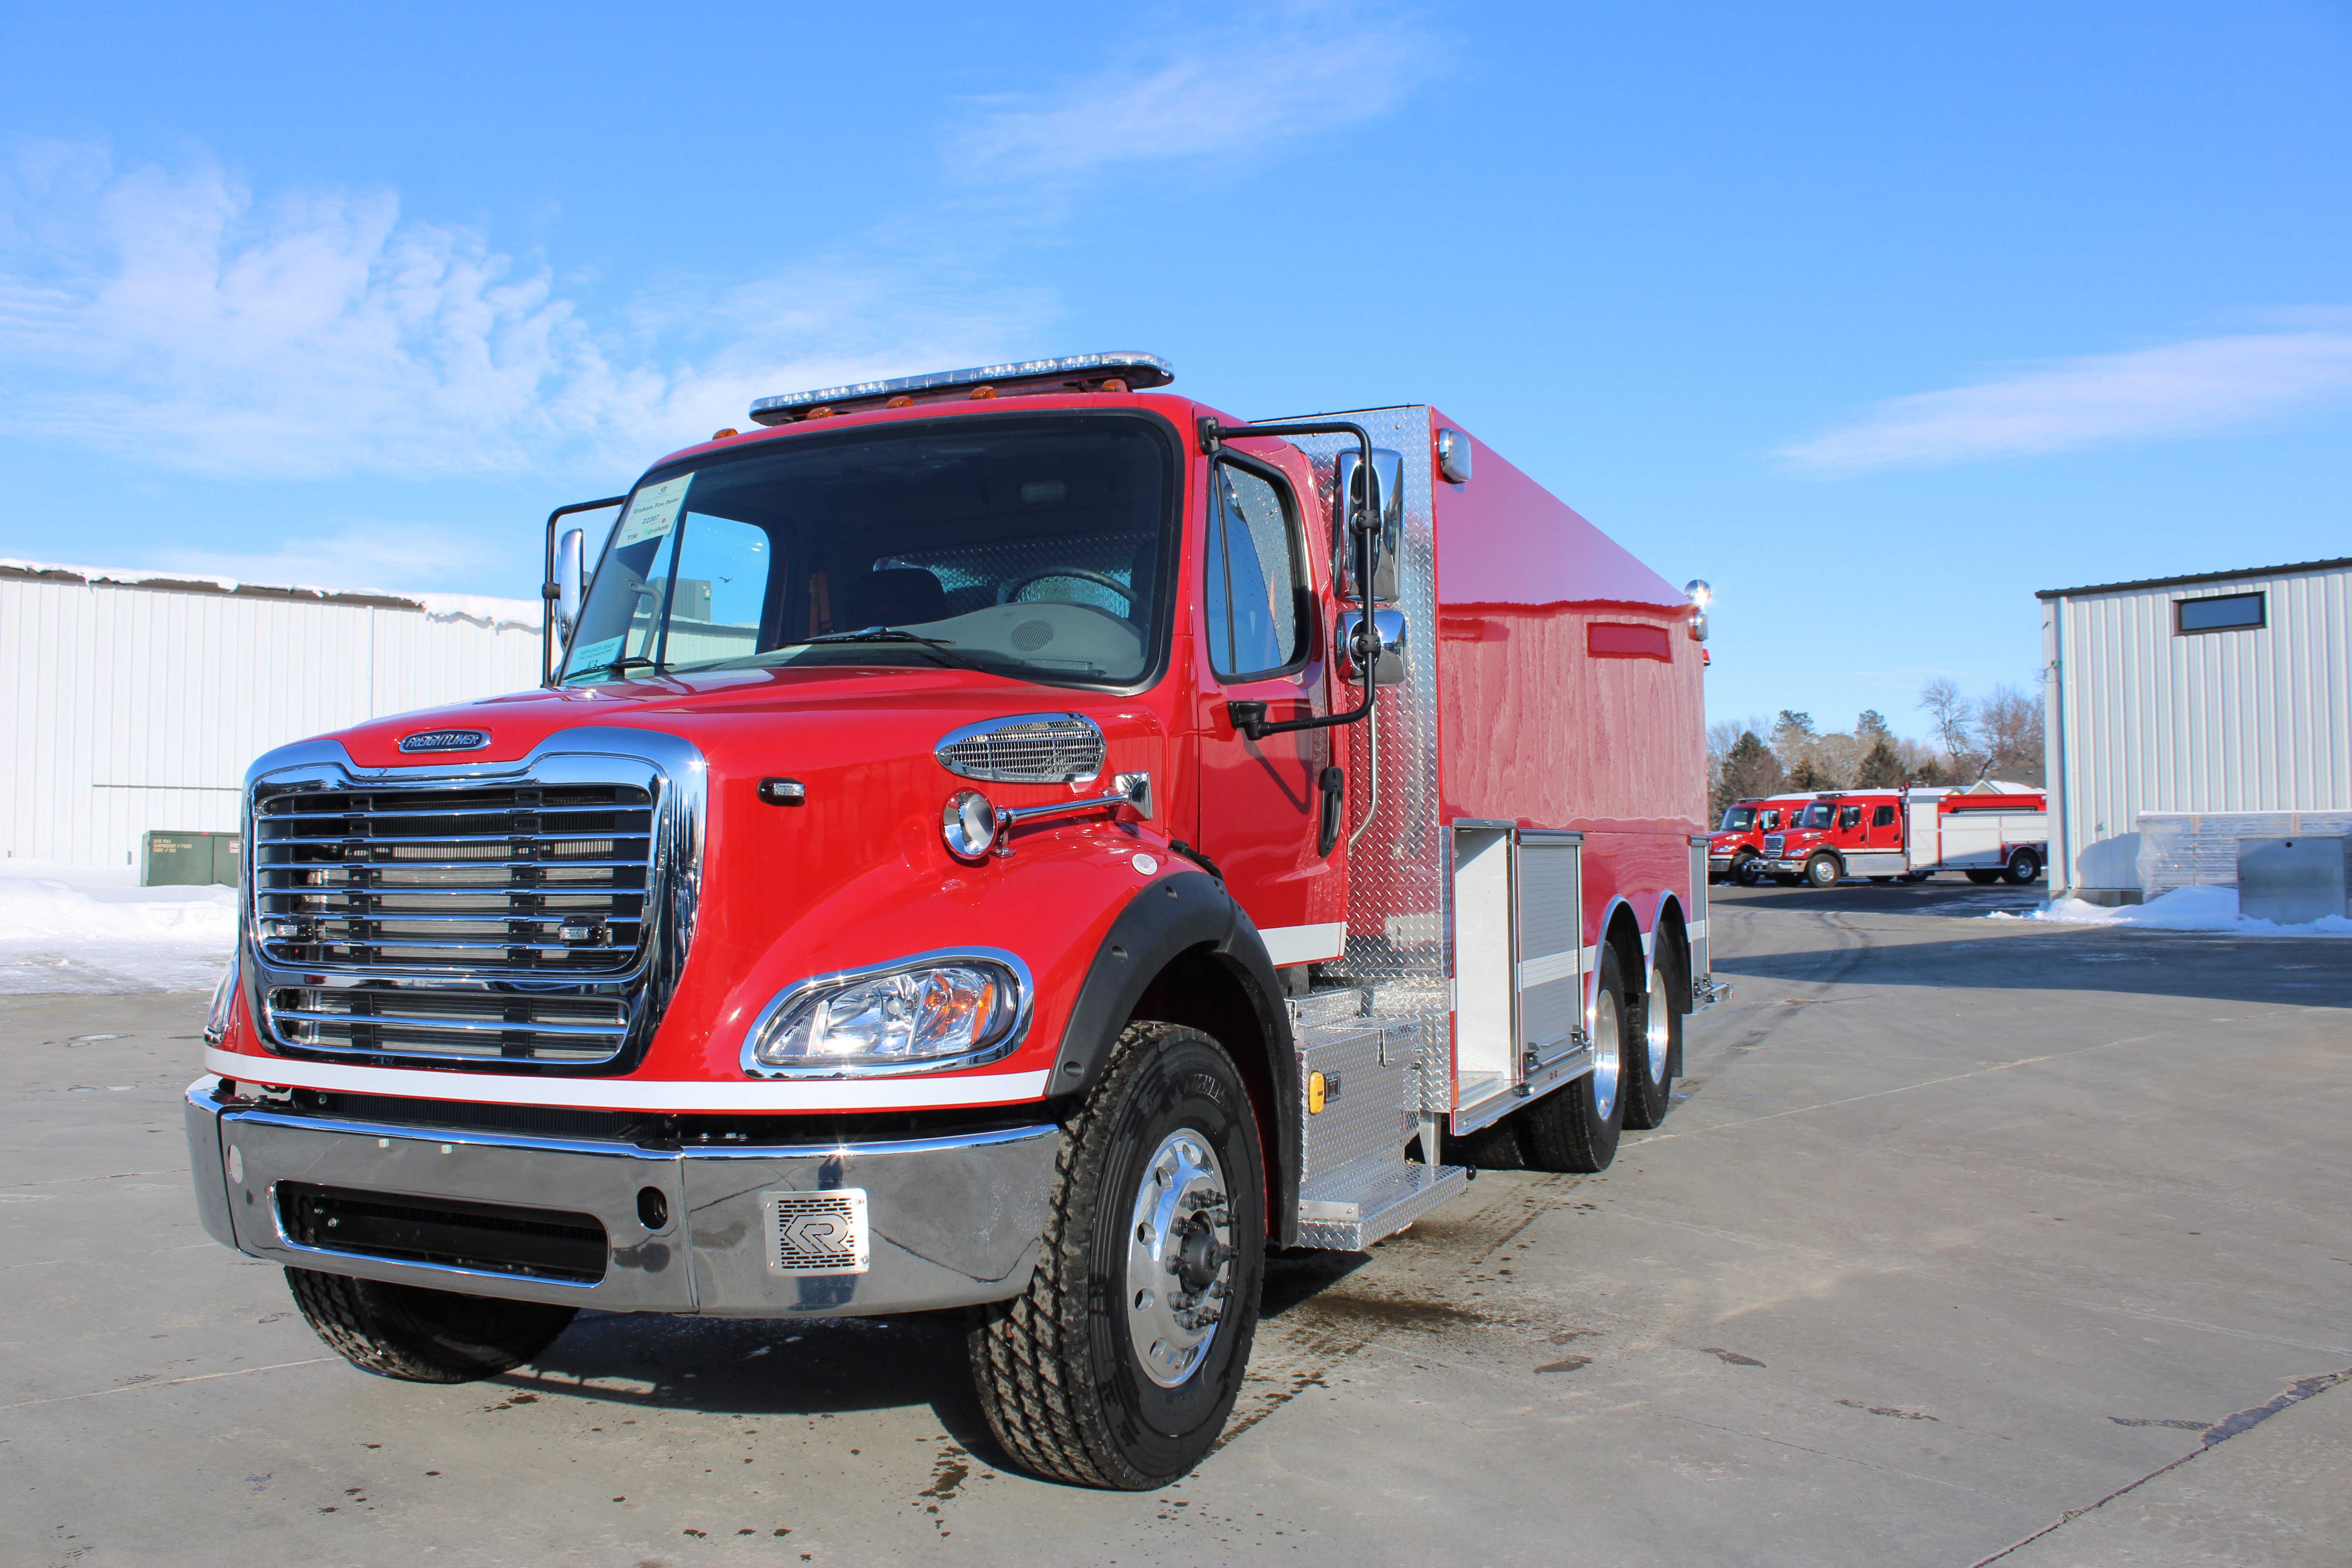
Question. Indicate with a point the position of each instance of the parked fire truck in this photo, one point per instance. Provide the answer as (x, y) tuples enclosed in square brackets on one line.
[(1013, 839), (1988, 833), (1737, 841)]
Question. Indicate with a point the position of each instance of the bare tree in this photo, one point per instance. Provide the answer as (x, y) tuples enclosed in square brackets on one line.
[(1953, 714), (2009, 729)]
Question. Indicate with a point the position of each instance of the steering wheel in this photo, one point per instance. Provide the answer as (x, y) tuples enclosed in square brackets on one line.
[(1011, 586)]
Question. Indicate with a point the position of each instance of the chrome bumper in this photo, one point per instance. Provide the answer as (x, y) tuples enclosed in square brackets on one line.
[(950, 1220)]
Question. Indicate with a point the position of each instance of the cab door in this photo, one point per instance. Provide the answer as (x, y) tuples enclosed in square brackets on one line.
[(1265, 806)]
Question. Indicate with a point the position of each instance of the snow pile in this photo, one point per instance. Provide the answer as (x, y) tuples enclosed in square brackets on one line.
[(79, 928), (497, 614), (2183, 909), (484, 609)]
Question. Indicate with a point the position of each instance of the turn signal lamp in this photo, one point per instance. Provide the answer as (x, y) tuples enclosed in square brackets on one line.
[(923, 1016)]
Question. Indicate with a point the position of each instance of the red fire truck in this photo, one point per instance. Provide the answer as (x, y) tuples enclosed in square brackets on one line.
[(1012, 839), (1738, 839), (1989, 834)]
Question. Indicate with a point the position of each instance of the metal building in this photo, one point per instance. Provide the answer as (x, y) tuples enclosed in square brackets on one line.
[(133, 702), (2185, 712)]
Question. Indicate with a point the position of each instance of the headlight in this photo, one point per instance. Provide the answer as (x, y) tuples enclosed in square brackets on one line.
[(224, 999), (949, 1010)]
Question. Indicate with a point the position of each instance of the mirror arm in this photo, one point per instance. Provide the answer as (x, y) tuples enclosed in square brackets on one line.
[(549, 591)]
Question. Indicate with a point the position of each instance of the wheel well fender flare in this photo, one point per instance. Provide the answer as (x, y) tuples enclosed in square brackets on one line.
[(1187, 925), (1670, 945)]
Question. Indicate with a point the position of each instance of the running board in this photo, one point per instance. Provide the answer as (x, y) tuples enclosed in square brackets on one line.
[(1348, 1210)]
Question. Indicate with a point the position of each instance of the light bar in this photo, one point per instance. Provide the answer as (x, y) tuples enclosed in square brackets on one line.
[(1138, 371)]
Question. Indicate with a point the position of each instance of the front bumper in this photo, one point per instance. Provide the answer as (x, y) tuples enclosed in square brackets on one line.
[(946, 1221)]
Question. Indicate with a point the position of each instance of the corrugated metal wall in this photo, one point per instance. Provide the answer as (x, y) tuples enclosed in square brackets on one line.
[(128, 708), (2142, 719)]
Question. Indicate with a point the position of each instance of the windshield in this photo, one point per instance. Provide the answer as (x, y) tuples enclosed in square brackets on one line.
[(1030, 547), (1817, 814), (1739, 819)]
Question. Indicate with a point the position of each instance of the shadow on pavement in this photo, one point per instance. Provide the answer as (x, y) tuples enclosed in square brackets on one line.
[(2314, 972)]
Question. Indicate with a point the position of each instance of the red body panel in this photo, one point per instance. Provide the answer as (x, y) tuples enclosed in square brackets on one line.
[(1554, 709)]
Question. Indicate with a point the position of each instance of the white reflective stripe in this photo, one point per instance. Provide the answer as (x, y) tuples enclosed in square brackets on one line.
[(1591, 956), (1535, 971), (1697, 929), (631, 1094), (1304, 944), (1649, 940)]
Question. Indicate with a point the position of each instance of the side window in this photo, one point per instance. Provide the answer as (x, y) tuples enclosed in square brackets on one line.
[(1256, 581), (1771, 822), (1849, 816), (1882, 816)]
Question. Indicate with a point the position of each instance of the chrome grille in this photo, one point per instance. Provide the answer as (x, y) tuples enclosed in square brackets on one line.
[(1773, 843), (551, 880), (1027, 748), (490, 1024), (482, 915)]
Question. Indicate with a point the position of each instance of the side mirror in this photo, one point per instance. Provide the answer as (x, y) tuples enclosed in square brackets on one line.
[(1349, 647), (1379, 495), (571, 578)]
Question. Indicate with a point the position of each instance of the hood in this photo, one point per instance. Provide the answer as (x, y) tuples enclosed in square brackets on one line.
[(768, 722)]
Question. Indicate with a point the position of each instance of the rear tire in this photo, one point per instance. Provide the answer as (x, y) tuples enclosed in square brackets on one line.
[(1575, 1129), (420, 1335), (1984, 878), (1653, 1056), (2024, 866), (1823, 870), (1064, 1374)]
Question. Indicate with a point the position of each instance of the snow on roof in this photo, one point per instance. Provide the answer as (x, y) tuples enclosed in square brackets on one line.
[(523, 615)]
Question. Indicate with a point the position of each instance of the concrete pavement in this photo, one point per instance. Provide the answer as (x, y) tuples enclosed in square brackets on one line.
[(1964, 1226)]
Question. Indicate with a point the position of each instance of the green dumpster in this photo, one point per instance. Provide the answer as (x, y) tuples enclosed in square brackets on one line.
[(192, 859)]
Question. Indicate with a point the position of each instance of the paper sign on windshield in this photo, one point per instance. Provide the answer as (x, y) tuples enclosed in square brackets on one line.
[(652, 511), (596, 655)]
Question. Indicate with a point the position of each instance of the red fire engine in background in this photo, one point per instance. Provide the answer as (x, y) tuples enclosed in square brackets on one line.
[(1988, 833), (1737, 841), (1009, 838)]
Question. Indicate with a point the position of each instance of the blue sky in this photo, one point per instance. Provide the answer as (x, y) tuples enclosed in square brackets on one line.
[(1879, 318)]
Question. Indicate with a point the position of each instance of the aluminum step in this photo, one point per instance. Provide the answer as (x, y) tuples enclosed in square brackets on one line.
[(1323, 1009), (1350, 1209)]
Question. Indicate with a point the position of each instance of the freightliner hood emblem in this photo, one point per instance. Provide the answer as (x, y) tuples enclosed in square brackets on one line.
[(445, 740)]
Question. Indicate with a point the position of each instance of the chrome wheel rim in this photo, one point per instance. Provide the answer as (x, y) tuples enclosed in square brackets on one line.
[(1608, 1059), (1657, 1027), (1180, 1259)]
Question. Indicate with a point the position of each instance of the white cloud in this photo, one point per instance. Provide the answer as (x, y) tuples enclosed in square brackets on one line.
[(176, 317), (2177, 389), (1223, 93)]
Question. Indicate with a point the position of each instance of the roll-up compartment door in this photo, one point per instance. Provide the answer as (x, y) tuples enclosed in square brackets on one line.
[(1550, 956), (1701, 965)]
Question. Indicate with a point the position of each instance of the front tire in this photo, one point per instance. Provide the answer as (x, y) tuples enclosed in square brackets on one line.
[(1822, 871), (420, 1335), (1120, 1364), (1743, 869), (1575, 1129), (1653, 1056)]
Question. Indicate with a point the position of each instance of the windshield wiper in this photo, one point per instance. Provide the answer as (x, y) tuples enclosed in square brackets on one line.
[(622, 663), (935, 645)]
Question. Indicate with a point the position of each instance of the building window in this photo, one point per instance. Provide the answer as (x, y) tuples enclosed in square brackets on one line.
[(2237, 612)]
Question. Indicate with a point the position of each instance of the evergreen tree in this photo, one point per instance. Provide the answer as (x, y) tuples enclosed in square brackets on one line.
[(1750, 770), (1882, 768), (1804, 775)]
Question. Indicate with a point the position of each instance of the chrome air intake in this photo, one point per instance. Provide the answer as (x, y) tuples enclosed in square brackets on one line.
[(1025, 748)]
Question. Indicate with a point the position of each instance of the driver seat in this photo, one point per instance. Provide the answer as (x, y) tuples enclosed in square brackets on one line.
[(894, 596)]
